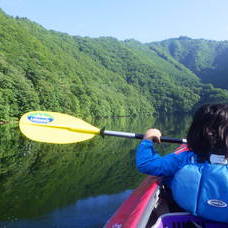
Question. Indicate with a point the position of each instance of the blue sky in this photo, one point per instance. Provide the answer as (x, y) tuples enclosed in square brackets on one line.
[(143, 20)]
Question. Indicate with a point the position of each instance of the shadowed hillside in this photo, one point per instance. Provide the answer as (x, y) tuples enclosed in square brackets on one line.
[(207, 59)]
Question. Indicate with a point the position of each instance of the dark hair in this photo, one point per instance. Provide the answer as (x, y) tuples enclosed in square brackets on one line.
[(208, 132)]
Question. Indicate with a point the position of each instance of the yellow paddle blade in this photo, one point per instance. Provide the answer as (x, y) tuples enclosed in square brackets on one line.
[(53, 127)]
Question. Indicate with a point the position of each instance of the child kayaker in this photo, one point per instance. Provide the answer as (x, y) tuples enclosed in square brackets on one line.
[(198, 177)]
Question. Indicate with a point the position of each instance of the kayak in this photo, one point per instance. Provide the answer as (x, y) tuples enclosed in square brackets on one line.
[(147, 207)]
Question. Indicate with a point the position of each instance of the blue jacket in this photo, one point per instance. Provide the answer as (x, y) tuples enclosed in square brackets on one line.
[(149, 162), (204, 184)]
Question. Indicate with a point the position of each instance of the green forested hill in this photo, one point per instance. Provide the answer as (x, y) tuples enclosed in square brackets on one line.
[(48, 70), (207, 59)]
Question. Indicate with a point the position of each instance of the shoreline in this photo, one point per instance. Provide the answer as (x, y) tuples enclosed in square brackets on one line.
[(7, 122)]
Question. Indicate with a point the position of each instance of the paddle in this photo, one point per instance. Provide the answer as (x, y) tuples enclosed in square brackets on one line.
[(53, 127)]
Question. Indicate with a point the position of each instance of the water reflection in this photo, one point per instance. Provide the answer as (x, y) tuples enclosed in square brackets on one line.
[(43, 184), (85, 213)]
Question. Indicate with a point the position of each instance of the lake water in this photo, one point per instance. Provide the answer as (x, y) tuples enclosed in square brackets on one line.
[(75, 185)]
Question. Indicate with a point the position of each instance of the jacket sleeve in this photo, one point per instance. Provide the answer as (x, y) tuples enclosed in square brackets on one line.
[(149, 162)]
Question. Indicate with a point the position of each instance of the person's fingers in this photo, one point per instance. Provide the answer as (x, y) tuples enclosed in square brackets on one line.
[(153, 134)]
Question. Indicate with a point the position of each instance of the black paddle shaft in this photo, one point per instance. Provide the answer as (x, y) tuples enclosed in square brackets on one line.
[(164, 139), (140, 136)]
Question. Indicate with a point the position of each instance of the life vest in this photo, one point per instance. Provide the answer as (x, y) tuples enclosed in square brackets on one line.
[(202, 189)]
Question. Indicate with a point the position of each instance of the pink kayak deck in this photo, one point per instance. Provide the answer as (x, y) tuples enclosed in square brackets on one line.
[(133, 210)]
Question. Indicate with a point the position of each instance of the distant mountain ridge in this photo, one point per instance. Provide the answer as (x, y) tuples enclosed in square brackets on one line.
[(103, 77), (206, 58)]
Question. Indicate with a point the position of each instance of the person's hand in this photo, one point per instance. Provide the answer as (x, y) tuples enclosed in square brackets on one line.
[(153, 134)]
